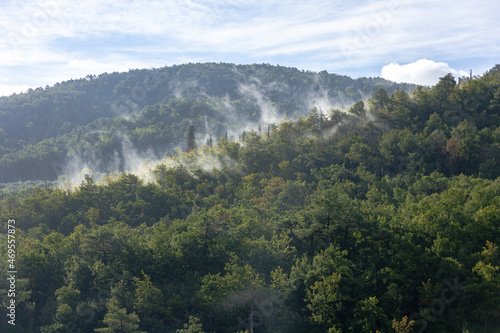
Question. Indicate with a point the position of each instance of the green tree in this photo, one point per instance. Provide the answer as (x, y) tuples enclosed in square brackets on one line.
[(194, 326), (235, 294), (150, 304), (369, 317), (117, 320), (379, 101), (327, 280), (358, 109), (191, 144)]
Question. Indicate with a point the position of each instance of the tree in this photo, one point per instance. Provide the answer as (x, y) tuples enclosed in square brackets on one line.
[(403, 326), (434, 123), (194, 326), (441, 95), (191, 143), (118, 321), (369, 316), (329, 218), (398, 149), (466, 146), (328, 282), (400, 116), (235, 294), (484, 289), (149, 304), (358, 109), (379, 101)]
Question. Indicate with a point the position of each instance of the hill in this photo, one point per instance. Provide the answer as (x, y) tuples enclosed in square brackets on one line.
[(108, 122), (384, 218)]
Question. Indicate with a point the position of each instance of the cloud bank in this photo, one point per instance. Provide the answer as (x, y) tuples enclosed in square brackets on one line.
[(424, 72)]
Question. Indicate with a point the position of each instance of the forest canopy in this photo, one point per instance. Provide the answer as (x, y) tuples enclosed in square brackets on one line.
[(97, 120), (383, 217)]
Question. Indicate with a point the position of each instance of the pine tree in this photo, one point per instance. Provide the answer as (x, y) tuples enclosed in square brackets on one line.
[(191, 144), (118, 320)]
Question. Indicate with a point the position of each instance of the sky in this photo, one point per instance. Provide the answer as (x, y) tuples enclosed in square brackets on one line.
[(44, 42)]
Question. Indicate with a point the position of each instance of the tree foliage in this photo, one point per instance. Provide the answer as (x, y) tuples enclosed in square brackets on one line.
[(386, 221)]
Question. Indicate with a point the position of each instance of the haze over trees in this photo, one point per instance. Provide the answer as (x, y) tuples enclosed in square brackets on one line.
[(96, 121), (382, 218)]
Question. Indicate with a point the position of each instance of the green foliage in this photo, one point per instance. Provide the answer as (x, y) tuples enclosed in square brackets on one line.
[(193, 326), (97, 121), (329, 223), (118, 320)]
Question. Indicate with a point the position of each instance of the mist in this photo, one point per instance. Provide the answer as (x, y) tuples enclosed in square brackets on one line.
[(251, 100), (126, 159)]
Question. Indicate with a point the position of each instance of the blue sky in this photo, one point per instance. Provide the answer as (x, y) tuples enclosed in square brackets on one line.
[(49, 41)]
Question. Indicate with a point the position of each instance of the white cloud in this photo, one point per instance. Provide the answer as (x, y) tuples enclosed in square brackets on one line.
[(6, 90), (62, 38), (423, 72)]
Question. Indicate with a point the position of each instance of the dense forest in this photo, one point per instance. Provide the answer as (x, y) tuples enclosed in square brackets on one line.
[(98, 120), (382, 218)]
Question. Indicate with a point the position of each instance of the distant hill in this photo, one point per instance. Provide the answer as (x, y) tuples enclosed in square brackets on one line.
[(96, 120)]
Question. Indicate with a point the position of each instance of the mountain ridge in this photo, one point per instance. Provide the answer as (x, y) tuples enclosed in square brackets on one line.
[(44, 126)]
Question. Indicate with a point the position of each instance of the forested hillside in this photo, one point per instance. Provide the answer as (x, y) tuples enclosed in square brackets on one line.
[(97, 121), (384, 218)]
